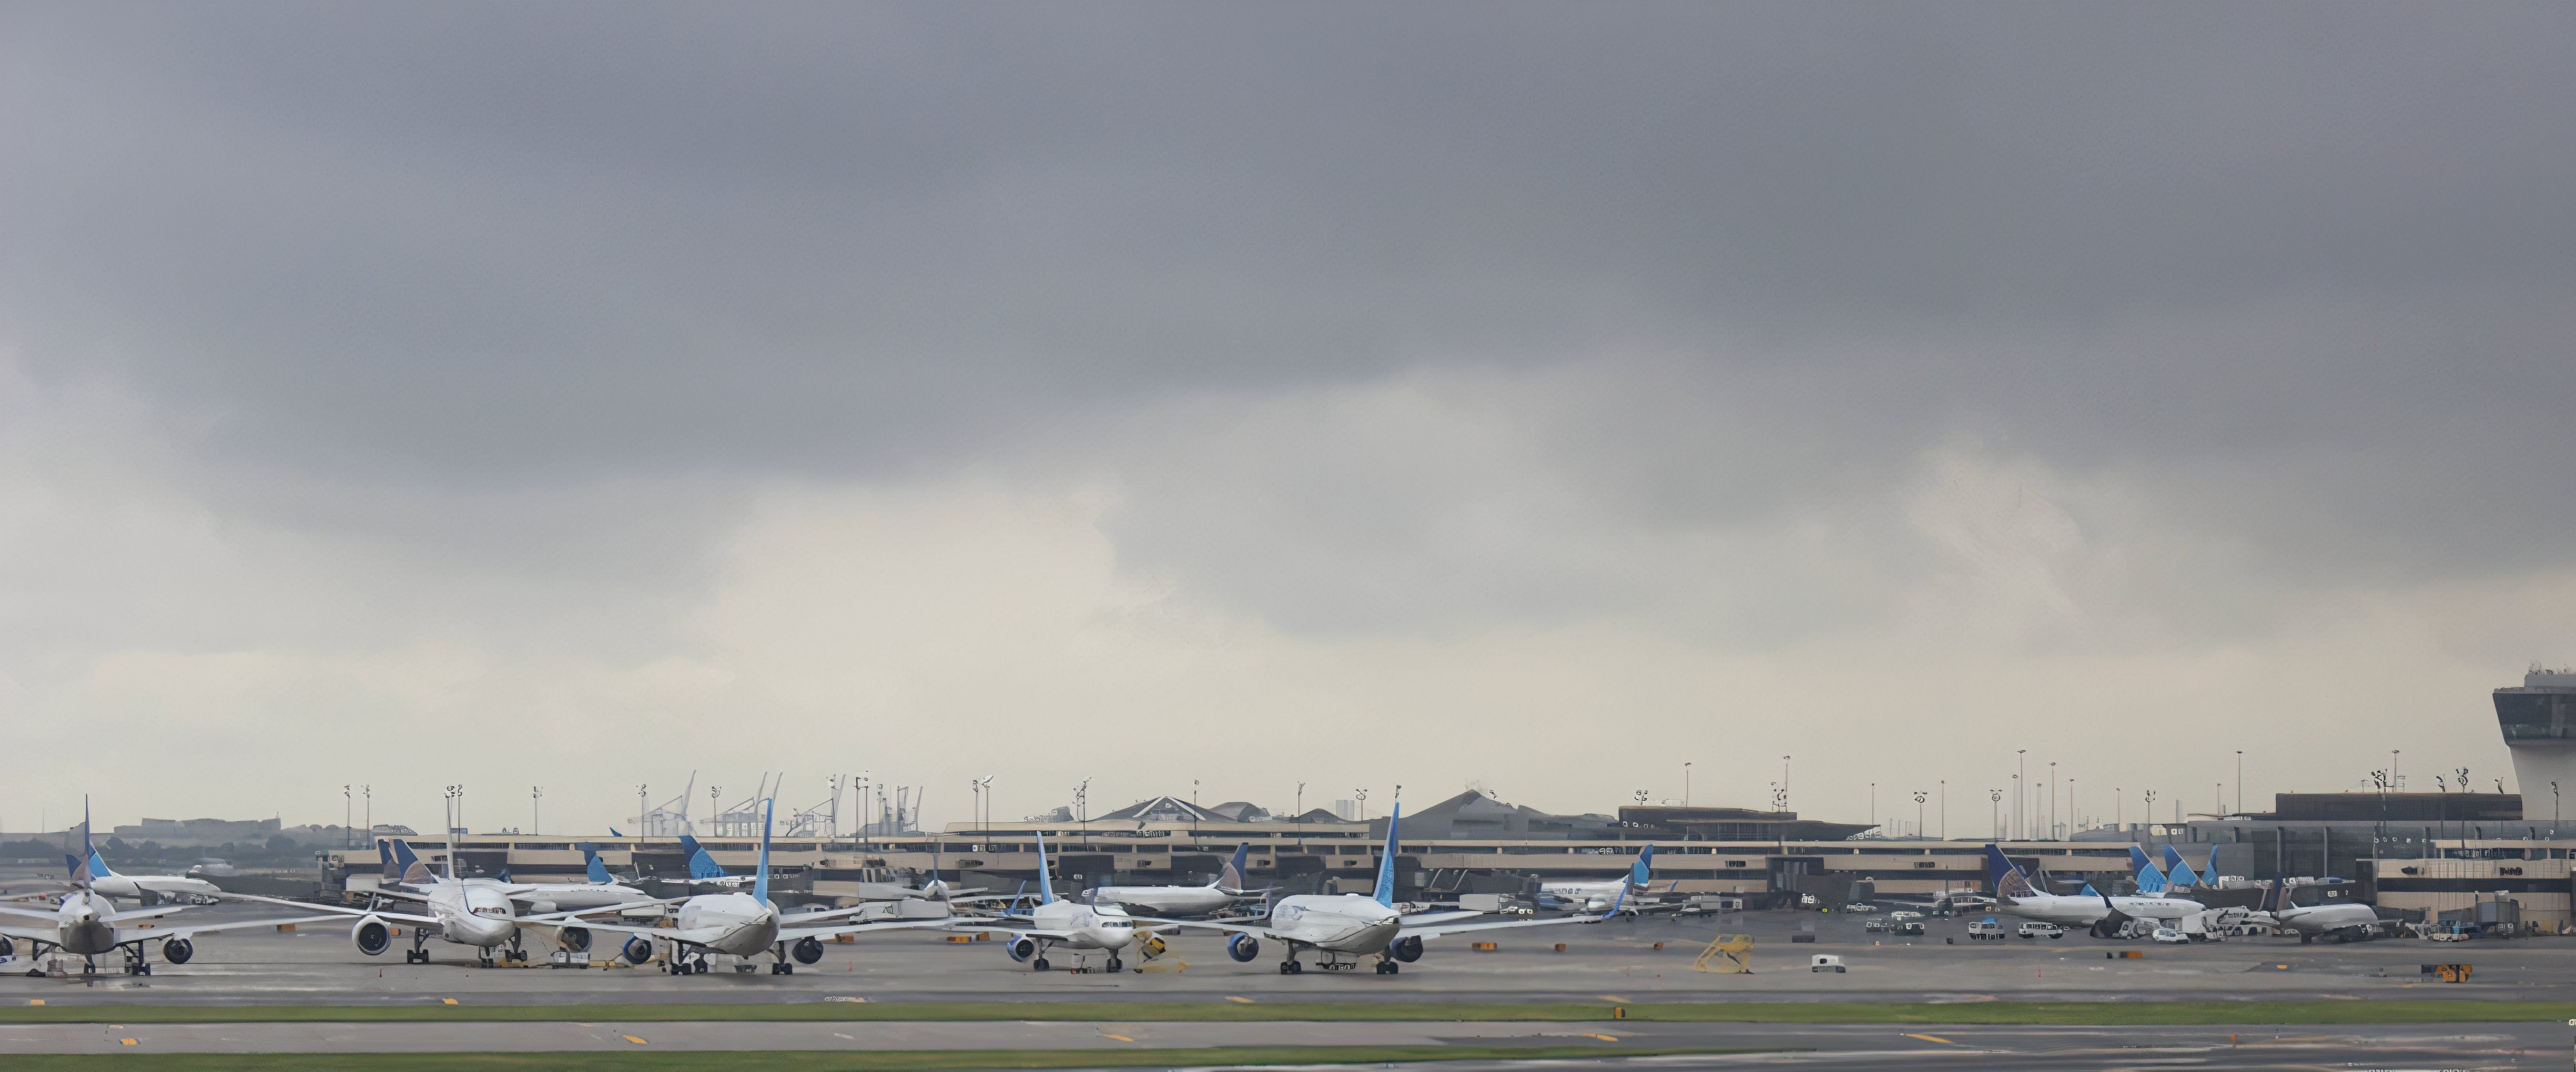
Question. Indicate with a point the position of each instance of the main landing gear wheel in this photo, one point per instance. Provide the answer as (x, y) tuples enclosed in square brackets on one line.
[(1388, 967), (1114, 965), (1290, 967), (1040, 964), (782, 968)]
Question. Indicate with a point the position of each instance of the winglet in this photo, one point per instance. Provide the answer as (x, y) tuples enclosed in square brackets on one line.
[(1046, 885), (1615, 906), (1386, 863), (1231, 878), (760, 879)]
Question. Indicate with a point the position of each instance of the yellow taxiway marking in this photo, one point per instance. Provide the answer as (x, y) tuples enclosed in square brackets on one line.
[(1121, 1038), (128, 1042), (1617, 998), (1932, 1038), (1238, 1000), (633, 1039), (1604, 1038), (35, 1001), (447, 1001)]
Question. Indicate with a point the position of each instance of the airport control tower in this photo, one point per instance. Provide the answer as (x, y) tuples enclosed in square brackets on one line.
[(2539, 721)]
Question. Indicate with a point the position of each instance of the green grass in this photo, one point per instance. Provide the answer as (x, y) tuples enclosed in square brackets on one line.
[(812, 1061), (2089, 1013)]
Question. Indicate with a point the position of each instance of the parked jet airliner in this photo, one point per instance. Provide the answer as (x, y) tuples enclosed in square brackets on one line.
[(2106, 916)]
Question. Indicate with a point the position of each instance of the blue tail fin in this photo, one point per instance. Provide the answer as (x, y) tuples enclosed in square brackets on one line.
[(1046, 885), (2150, 880), (413, 871), (2088, 891), (598, 871), (1386, 863), (2005, 878), (701, 865), (1642, 873), (1232, 877), (386, 869), (88, 867), (760, 879), (2178, 873)]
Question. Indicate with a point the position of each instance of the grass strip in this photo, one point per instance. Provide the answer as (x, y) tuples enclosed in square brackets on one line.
[(2083, 1013), (816, 1060)]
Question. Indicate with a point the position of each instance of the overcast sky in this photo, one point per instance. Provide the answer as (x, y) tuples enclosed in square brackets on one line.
[(1535, 396)]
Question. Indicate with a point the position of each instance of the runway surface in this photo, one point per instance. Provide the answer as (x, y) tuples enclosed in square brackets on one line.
[(1810, 1046)]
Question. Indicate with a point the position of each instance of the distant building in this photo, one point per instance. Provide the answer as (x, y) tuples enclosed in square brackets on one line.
[(2539, 724)]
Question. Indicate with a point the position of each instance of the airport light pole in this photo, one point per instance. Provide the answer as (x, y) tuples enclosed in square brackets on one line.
[(2021, 789), (1686, 784), (1945, 809), (1873, 803), (1995, 798), (536, 810), (1919, 798), (368, 794), (348, 815), (2240, 781), (2052, 800), (2553, 810), (1784, 783)]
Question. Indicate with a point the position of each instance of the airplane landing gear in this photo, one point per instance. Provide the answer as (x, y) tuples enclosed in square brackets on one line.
[(1115, 964), (417, 954), (782, 968), (1040, 964), (483, 958), (1290, 967), (134, 962), (1388, 967)]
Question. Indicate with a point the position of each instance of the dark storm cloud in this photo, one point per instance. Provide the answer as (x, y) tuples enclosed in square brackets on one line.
[(2322, 250)]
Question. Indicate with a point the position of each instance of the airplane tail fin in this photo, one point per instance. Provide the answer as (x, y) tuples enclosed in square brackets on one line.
[(2178, 874), (760, 878), (702, 866), (1386, 863), (386, 869), (1642, 873), (81, 869), (1046, 883), (413, 870), (2150, 880), (2006, 876), (1231, 878), (598, 871)]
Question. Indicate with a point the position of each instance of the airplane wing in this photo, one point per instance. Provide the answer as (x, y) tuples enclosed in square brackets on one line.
[(48, 936), (28, 913), (1438, 929), (336, 910), (123, 935), (792, 934), (691, 936), (1439, 917), (1258, 928)]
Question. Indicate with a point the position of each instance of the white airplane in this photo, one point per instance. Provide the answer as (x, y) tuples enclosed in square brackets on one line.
[(1077, 925), (2341, 922), (1346, 926), (746, 925), (1228, 888), (474, 913), (2104, 915), (86, 923), (1593, 895)]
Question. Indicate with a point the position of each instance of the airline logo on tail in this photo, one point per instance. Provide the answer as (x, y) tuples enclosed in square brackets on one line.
[(2150, 880), (414, 872), (386, 869), (701, 865), (2177, 873), (598, 871), (1231, 877), (2006, 877)]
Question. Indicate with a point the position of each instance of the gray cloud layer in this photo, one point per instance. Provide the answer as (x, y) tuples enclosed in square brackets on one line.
[(1400, 321)]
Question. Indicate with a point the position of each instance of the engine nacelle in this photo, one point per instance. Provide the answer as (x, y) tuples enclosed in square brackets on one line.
[(541, 908), (372, 935), (1407, 949), (1242, 947), (576, 939), (638, 950), (178, 950), (7, 948), (1021, 949), (806, 950)]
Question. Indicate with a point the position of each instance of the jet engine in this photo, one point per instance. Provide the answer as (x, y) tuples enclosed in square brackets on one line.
[(1242, 947), (638, 949), (541, 908), (178, 950), (1021, 949), (372, 935), (576, 939), (7, 948), (806, 950), (1407, 949)]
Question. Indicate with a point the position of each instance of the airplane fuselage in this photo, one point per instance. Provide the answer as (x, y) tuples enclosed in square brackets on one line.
[(1165, 900), (1341, 923), (743, 925), (2326, 919), (148, 887), (2086, 911)]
